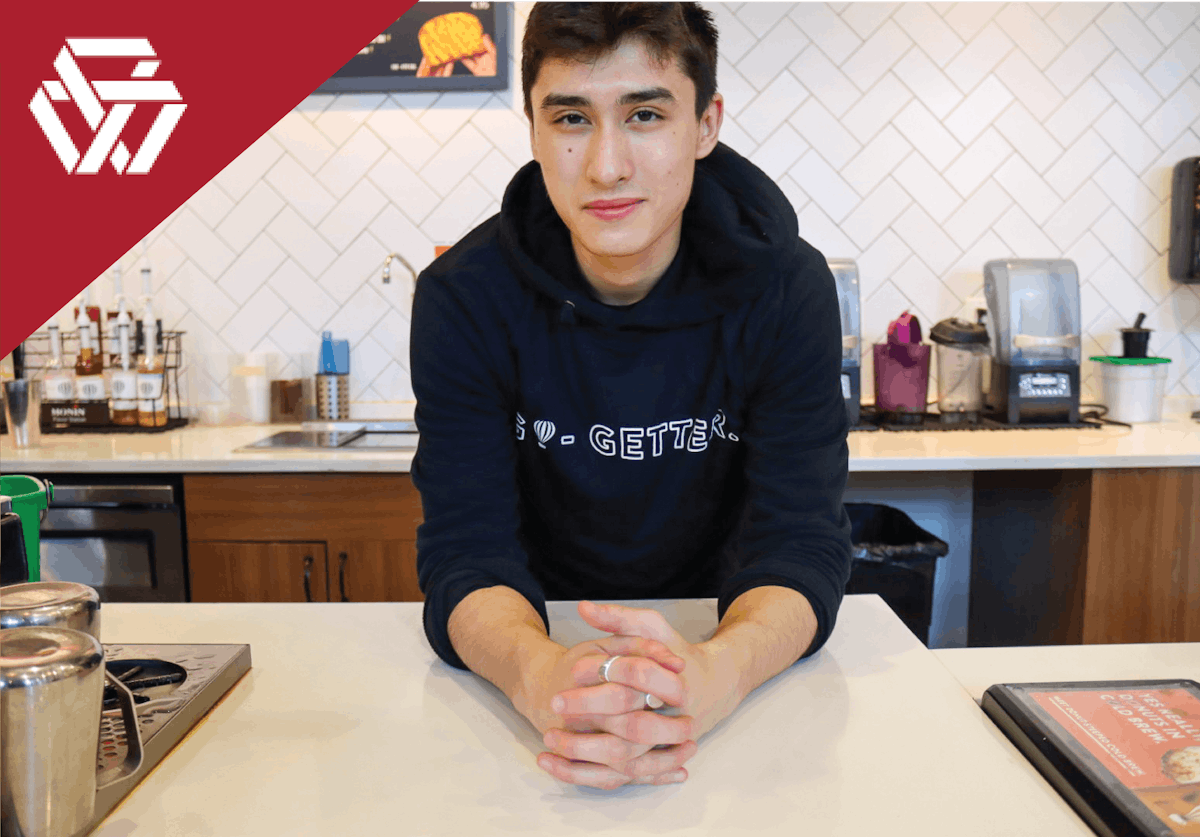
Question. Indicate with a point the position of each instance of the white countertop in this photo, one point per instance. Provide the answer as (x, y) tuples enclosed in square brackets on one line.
[(979, 668), (190, 450), (348, 724), (200, 449)]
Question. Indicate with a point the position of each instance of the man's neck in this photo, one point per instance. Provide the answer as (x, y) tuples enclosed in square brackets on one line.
[(624, 280)]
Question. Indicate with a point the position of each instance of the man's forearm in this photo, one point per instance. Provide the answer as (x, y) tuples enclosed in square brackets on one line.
[(764, 631), (500, 636)]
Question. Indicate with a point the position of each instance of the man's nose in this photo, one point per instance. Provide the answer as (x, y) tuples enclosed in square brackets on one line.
[(609, 158)]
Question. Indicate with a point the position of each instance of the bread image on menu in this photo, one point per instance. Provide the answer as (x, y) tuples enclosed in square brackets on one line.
[(1183, 765), (455, 36), (1179, 805)]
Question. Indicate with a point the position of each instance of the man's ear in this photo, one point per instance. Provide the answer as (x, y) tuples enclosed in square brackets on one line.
[(532, 144), (710, 126)]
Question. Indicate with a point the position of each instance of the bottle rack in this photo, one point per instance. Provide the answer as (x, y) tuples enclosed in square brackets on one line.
[(93, 420)]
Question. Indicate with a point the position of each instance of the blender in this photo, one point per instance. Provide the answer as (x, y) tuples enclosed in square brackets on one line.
[(845, 274), (961, 349), (1033, 308)]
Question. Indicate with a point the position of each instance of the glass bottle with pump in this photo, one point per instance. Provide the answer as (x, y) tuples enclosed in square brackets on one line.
[(93, 315), (151, 404), (124, 379), (89, 368), (112, 318), (58, 381)]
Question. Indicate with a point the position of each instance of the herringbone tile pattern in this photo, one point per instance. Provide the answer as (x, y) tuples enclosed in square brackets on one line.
[(919, 138)]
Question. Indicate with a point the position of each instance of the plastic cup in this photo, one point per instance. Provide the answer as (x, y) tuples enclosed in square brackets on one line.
[(1132, 388)]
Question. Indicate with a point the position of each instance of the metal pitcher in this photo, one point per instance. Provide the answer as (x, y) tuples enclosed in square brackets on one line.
[(51, 696)]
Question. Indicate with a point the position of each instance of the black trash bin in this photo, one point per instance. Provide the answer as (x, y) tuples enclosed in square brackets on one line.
[(896, 558)]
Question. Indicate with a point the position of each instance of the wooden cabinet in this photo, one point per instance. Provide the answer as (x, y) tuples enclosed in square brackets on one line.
[(1143, 557), (1068, 557), (302, 537), (373, 571), (235, 571)]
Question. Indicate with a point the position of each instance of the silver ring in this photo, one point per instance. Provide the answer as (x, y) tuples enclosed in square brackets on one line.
[(653, 702), (606, 665)]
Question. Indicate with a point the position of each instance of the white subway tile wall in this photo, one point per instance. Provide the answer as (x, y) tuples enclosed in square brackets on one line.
[(919, 139)]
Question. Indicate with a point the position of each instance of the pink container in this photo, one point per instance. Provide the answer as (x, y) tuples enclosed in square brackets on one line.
[(902, 368)]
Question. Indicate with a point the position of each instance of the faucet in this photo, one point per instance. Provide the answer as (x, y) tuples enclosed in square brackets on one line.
[(387, 268)]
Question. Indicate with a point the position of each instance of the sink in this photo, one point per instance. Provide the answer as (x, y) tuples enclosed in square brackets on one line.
[(342, 436)]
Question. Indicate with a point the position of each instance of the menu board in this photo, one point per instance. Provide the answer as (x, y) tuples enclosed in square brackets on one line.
[(434, 46), (1126, 754)]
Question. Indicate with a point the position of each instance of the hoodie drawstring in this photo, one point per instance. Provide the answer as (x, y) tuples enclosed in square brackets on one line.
[(566, 314)]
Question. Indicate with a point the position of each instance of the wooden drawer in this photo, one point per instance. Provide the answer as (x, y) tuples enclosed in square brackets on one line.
[(292, 507)]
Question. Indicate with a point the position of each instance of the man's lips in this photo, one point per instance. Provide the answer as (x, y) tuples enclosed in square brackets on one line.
[(612, 210)]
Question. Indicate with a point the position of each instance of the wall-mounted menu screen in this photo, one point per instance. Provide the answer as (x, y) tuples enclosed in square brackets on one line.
[(433, 47)]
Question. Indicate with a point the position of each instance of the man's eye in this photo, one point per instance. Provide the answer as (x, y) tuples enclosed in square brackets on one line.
[(645, 116), (570, 119)]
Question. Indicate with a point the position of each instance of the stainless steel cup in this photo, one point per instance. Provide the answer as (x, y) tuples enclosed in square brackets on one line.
[(51, 604), (51, 695), (23, 412)]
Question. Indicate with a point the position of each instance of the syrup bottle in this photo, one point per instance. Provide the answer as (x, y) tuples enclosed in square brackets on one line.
[(111, 318), (89, 368), (93, 315), (58, 381), (151, 405), (124, 378)]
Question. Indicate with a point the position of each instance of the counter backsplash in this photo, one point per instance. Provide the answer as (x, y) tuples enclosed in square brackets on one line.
[(919, 139)]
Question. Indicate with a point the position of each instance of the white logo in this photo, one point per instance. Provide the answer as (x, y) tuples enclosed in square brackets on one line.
[(123, 94), (545, 432)]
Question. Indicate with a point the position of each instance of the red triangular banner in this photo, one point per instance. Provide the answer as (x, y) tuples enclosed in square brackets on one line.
[(214, 79)]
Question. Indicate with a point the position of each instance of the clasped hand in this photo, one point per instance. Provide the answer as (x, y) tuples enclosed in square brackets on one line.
[(600, 733)]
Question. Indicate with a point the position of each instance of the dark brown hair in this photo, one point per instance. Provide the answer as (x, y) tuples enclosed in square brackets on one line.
[(587, 31)]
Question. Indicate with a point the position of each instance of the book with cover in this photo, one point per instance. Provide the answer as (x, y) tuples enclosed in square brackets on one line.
[(1125, 754)]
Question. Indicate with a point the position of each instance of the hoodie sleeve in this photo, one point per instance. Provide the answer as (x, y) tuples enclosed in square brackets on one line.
[(795, 532), (465, 466)]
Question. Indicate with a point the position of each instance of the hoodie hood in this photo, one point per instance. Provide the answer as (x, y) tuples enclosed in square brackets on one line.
[(738, 230)]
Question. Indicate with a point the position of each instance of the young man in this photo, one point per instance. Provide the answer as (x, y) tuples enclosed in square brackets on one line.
[(628, 388)]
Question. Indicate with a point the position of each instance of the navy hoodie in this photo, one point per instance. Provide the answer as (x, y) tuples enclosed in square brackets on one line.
[(692, 444)]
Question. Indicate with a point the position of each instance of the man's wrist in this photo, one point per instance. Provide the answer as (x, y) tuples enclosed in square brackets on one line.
[(727, 661), (500, 637), (535, 658), (764, 631)]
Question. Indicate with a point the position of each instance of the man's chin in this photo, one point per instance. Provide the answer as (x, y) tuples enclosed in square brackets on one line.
[(614, 247)]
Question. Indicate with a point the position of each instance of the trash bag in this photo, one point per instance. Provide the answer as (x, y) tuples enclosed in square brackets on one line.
[(894, 557)]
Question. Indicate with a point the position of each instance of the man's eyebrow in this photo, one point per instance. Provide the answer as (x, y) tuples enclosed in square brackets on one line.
[(650, 94), (636, 97), (563, 100)]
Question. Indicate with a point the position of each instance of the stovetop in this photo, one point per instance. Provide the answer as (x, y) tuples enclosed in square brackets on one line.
[(174, 686), (341, 435)]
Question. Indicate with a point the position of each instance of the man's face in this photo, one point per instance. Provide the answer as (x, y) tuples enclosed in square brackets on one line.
[(617, 141)]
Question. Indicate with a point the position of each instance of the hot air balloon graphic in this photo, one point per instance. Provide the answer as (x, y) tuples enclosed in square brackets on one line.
[(545, 432)]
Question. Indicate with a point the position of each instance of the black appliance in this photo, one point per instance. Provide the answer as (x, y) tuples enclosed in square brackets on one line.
[(1184, 262), (845, 274), (120, 534), (1034, 320)]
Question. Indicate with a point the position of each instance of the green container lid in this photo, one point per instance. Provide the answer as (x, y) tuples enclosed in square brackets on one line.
[(1130, 361), (30, 497)]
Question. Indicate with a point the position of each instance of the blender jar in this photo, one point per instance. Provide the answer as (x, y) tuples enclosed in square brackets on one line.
[(961, 349)]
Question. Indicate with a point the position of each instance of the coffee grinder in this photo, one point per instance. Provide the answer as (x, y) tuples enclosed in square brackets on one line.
[(845, 273), (1033, 312)]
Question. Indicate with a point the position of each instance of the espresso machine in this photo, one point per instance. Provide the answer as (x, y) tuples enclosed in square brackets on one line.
[(1033, 314), (845, 273)]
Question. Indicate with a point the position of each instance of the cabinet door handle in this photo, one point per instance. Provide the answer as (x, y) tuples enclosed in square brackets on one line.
[(308, 565), (342, 576)]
